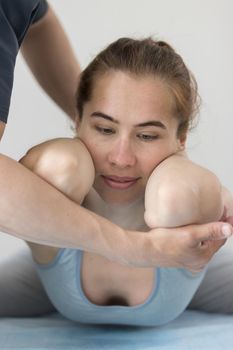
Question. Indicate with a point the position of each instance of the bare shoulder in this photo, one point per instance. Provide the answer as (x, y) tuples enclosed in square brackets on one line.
[(65, 163), (184, 192), (64, 150), (61, 144), (179, 167), (43, 254)]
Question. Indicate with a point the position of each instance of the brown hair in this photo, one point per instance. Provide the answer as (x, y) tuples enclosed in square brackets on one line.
[(145, 57)]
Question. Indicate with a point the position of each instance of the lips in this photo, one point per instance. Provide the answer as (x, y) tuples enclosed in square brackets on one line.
[(119, 182)]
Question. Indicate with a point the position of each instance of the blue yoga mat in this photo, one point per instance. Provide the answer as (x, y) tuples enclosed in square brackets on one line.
[(191, 331)]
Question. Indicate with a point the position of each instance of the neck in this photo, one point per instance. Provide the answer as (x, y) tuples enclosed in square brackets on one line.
[(129, 215)]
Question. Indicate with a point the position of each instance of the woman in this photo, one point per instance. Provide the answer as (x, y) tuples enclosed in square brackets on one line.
[(136, 101)]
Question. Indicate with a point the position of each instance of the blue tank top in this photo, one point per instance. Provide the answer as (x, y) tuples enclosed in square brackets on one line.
[(173, 290)]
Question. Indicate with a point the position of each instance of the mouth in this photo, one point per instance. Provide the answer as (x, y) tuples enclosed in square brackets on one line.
[(119, 182)]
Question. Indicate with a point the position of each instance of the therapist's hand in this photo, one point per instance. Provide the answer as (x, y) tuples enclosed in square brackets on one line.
[(229, 219), (190, 247)]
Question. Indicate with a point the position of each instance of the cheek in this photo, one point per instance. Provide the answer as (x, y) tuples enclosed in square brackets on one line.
[(149, 163), (97, 154), (94, 147), (86, 137)]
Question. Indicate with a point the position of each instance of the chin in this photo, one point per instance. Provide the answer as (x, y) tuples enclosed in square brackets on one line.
[(120, 198), (115, 199), (113, 196)]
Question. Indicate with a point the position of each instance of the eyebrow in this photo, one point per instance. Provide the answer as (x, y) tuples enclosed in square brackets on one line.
[(156, 123)]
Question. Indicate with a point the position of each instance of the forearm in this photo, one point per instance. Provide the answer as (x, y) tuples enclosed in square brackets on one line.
[(180, 192), (50, 57), (35, 211)]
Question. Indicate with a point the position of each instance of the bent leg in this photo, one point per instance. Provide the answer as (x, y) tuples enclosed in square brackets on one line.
[(215, 294), (21, 292)]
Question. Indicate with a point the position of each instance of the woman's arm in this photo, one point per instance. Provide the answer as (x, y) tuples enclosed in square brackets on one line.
[(67, 165), (64, 163), (180, 192), (33, 210), (228, 202)]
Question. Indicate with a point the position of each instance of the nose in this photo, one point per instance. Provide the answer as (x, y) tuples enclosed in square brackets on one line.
[(121, 154)]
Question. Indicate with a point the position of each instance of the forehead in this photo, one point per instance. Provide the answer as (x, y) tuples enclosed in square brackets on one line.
[(143, 93)]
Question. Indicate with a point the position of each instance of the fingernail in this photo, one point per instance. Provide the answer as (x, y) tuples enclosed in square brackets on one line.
[(226, 231)]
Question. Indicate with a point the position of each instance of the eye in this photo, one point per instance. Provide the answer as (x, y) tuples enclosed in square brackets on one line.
[(105, 131), (147, 137)]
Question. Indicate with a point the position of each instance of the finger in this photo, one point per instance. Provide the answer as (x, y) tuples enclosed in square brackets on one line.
[(212, 231), (214, 245), (229, 219), (224, 215)]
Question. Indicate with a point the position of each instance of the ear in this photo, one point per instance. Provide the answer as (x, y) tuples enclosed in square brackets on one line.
[(182, 140), (77, 122)]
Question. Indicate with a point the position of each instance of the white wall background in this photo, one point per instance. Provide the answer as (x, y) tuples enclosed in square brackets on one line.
[(201, 31)]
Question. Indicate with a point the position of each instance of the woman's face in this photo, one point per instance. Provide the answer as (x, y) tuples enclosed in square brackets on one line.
[(128, 127)]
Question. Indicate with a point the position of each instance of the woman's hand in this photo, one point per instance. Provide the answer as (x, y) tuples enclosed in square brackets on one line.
[(190, 247)]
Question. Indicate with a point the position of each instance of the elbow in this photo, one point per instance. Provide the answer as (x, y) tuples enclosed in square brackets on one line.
[(184, 205), (172, 207), (70, 172), (51, 166)]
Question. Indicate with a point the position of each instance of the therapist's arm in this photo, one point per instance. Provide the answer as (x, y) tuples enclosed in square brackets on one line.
[(70, 225), (35, 211), (51, 59), (2, 128)]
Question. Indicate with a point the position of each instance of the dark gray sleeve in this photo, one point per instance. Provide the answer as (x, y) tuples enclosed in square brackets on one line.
[(15, 18), (40, 11)]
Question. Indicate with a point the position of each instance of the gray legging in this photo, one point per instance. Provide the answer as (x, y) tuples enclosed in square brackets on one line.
[(215, 294), (21, 293)]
